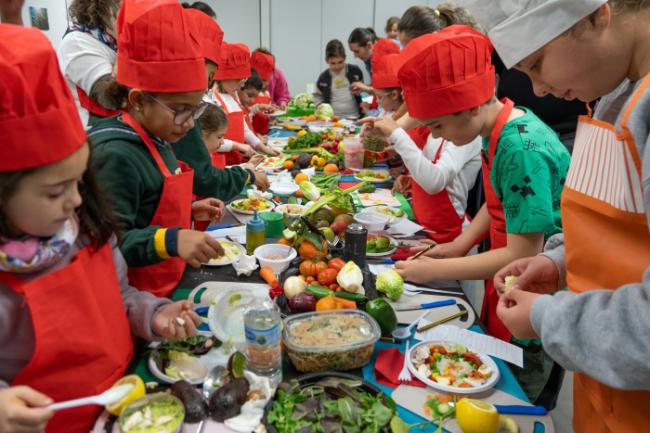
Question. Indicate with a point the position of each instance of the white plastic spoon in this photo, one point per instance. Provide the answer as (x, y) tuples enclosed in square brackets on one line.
[(109, 396), (405, 332)]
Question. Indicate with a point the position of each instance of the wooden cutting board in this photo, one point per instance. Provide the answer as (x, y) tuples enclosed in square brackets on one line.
[(407, 317), (412, 398)]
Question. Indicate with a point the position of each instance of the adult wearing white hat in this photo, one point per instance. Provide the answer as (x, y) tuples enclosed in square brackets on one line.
[(587, 49)]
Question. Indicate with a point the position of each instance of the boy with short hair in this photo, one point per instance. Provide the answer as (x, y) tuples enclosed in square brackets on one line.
[(524, 168)]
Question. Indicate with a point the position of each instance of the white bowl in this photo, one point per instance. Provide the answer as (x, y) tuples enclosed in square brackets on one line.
[(284, 188), (287, 253), (372, 221)]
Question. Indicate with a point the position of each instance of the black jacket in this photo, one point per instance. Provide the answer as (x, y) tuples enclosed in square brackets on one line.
[(352, 73)]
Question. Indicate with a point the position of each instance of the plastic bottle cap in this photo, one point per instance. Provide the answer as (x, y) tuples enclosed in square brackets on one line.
[(255, 224)]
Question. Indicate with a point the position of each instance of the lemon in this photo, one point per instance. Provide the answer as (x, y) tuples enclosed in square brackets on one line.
[(137, 392), (476, 416), (508, 425)]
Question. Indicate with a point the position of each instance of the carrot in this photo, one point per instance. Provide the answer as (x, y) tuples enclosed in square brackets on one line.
[(269, 276)]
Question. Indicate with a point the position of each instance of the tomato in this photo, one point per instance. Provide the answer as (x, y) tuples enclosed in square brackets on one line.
[(336, 263), (309, 279), (311, 268), (327, 276), (335, 287)]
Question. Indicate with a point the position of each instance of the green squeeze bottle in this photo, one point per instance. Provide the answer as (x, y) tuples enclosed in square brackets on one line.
[(255, 232)]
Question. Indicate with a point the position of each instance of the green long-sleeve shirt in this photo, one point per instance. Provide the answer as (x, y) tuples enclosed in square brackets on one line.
[(129, 176), (209, 181)]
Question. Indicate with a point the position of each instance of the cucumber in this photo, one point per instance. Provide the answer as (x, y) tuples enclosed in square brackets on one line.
[(321, 291)]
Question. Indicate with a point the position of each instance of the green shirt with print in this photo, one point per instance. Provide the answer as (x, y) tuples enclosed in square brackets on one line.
[(528, 174)]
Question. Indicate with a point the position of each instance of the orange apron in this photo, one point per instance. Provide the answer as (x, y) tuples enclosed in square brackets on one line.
[(498, 236), (82, 337), (436, 211), (93, 107), (174, 210), (602, 206), (235, 131)]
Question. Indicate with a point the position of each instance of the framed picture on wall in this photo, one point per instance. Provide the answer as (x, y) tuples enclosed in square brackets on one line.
[(39, 18)]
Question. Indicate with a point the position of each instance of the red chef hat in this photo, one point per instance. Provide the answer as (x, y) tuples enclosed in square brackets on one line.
[(38, 118), (447, 72), (383, 47), (235, 62), (155, 50), (206, 30), (264, 64), (384, 71)]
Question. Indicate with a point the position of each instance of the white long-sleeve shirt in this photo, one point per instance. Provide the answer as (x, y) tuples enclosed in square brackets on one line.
[(455, 171), (233, 106), (84, 60)]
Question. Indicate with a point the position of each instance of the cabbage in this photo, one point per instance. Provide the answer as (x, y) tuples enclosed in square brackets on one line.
[(303, 100), (391, 283), (350, 278), (324, 111), (309, 190)]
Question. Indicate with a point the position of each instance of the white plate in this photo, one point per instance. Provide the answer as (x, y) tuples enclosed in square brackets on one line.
[(278, 142), (226, 314), (249, 212), (277, 113), (215, 262), (388, 179), (271, 164), (209, 360), (453, 389), (284, 188), (393, 219), (393, 243)]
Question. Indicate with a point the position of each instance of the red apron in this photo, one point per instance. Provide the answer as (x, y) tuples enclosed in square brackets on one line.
[(260, 123), (218, 159), (82, 335), (235, 131), (602, 206), (436, 211), (498, 236), (174, 210), (93, 107)]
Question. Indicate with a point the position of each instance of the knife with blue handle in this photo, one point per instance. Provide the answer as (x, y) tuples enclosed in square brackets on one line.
[(426, 306), (515, 409), (202, 310)]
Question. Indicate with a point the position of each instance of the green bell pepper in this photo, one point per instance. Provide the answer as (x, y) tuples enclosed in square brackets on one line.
[(380, 310)]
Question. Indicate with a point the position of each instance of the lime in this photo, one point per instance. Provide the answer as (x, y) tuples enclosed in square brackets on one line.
[(237, 364), (137, 392), (476, 416)]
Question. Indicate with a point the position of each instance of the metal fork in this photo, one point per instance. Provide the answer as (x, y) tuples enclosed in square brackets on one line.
[(405, 374)]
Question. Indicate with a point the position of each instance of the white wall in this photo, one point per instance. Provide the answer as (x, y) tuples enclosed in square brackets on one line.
[(296, 31), (57, 12)]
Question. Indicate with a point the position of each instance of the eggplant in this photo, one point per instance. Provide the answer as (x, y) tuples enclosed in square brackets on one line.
[(304, 160), (227, 401), (196, 408), (302, 302)]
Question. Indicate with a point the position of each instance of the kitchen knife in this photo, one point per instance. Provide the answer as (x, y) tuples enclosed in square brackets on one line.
[(515, 409), (425, 306)]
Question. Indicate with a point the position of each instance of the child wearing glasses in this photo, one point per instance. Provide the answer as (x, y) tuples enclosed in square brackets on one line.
[(151, 191)]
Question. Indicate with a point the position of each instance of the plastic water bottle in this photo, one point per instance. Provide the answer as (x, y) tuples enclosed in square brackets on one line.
[(263, 329)]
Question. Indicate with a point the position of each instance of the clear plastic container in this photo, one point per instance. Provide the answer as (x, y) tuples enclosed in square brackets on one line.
[(330, 340), (353, 153), (159, 412)]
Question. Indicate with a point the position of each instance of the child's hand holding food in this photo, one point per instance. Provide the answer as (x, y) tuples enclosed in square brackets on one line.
[(176, 320), (207, 209), (245, 149), (402, 184), (197, 247)]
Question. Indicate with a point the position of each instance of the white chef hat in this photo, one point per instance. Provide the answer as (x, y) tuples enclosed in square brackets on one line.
[(518, 28)]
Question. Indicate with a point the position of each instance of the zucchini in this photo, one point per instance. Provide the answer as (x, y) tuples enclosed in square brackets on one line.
[(321, 291)]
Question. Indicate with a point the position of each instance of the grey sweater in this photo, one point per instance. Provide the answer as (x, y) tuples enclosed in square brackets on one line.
[(603, 333), (17, 332)]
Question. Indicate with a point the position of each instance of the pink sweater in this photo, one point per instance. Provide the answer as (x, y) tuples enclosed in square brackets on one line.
[(278, 88)]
